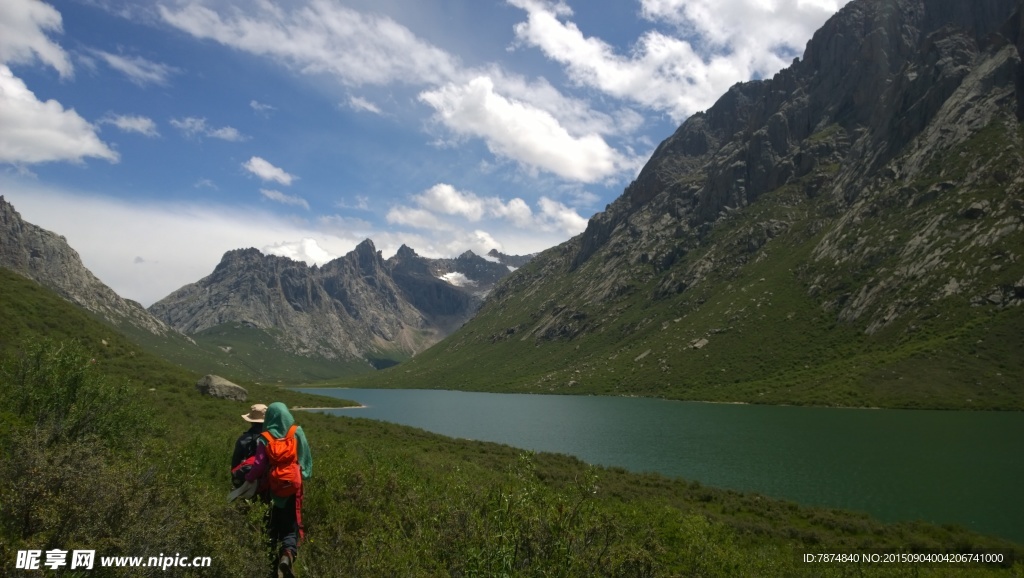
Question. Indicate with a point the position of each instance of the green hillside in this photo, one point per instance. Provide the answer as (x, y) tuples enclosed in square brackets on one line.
[(245, 353), (765, 324), (31, 312)]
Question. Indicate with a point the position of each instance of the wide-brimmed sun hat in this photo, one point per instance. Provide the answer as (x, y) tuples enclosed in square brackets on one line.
[(256, 413)]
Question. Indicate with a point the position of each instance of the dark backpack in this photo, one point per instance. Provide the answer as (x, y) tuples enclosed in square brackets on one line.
[(248, 442)]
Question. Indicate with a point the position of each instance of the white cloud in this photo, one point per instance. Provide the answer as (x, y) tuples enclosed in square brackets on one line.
[(279, 197), (23, 27), (138, 69), (319, 37), (524, 133), (457, 242), (268, 172), (576, 115), (560, 217), (480, 242), (444, 199), (412, 217), (307, 250), (513, 115), (667, 73), (194, 126), (458, 279), (190, 126), (516, 211), (139, 124), (260, 107), (228, 133), (361, 104), (36, 131), (747, 24)]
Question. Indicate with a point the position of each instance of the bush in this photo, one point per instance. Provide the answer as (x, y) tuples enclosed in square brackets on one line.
[(56, 388)]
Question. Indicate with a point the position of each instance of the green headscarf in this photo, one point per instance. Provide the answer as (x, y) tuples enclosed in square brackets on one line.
[(277, 421)]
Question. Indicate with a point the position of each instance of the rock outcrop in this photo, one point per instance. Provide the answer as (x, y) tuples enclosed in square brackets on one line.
[(216, 386), (511, 261)]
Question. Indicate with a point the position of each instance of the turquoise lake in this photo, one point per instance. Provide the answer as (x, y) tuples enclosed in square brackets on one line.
[(946, 467)]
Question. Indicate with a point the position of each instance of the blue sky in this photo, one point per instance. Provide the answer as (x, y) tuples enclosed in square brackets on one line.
[(156, 135)]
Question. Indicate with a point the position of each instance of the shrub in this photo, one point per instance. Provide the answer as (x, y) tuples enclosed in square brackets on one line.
[(57, 388)]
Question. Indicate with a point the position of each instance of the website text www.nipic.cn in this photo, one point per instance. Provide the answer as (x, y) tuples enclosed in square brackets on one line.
[(86, 559)]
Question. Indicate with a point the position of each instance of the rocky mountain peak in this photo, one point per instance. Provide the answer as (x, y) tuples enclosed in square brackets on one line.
[(514, 261), (367, 258), (240, 258), (366, 246), (405, 252)]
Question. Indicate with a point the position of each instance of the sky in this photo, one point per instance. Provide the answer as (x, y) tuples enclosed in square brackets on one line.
[(155, 135)]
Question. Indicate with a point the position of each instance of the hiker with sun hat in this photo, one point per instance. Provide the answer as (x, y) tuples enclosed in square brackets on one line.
[(245, 445)]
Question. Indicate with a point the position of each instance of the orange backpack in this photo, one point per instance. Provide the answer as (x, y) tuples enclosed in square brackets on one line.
[(285, 476)]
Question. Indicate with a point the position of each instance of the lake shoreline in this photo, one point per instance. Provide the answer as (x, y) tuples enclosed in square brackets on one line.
[(825, 456), (619, 396)]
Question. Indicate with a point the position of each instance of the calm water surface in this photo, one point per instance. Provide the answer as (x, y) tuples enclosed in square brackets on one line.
[(957, 467)]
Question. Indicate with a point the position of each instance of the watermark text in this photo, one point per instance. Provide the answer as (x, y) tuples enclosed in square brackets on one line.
[(58, 559)]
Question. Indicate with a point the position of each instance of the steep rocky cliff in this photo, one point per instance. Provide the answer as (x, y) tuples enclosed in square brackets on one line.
[(838, 223), (47, 259), (356, 307), (887, 92)]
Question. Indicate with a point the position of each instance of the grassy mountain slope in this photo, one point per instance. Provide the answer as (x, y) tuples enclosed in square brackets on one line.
[(239, 352), (798, 243), (31, 311), (769, 338), (150, 477)]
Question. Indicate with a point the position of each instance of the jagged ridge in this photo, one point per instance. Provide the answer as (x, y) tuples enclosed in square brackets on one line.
[(356, 307)]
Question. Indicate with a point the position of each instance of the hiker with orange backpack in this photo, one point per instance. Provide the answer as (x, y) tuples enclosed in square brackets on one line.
[(282, 454)]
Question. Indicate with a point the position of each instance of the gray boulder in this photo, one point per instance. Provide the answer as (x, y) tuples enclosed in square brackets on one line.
[(216, 386)]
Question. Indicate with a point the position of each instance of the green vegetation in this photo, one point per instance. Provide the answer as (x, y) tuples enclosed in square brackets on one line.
[(239, 352), (385, 500), (110, 449)]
